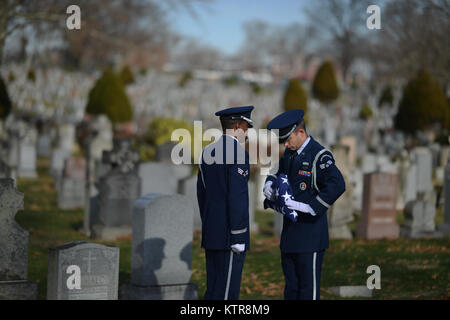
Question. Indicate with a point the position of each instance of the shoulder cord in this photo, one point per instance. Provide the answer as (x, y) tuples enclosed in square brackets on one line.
[(314, 171)]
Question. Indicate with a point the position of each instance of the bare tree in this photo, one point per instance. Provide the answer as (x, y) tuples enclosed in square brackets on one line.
[(192, 54), (109, 28), (341, 24), (414, 36), (266, 44)]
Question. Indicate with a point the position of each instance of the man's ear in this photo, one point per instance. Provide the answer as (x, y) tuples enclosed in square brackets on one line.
[(238, 125)]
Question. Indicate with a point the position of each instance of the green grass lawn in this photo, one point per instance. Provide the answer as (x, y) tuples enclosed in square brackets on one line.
[(410, 269)]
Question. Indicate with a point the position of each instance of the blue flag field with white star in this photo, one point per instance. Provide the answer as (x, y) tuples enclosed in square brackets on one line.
[(283, 192)]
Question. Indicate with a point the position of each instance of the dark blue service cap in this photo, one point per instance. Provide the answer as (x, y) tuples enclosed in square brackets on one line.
[(237, 113), (286, 123)]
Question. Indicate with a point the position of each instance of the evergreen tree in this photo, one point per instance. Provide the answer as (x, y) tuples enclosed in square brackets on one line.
[(108, 96), (386, 96), (295, 96), (126, 75), (366, 112), (325, 87), (423, 103), (31, 75)]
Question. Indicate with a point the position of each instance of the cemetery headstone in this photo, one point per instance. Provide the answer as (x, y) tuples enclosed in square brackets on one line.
[(350, 142), (66, 137), (83, 271), (379, 207), (420, 213), (164, 152), (161, 255), (368, 163), (189, 189), (57, 165), (27, 164), (44, 145), (341, 212), (445, 227), (13, 247), (119, 188), (351, 291), (254, 227), (277, 224), (419, 219), (71, 192)]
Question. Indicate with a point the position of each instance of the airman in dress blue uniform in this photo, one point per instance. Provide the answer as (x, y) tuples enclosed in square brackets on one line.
[(222, 192), (316, 184)]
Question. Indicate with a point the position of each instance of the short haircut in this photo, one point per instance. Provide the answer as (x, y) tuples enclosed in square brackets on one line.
[(301, 125), (229, 123)]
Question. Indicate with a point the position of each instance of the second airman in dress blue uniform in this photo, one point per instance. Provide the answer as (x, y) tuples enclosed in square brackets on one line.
[(316, 183), (222, 192)]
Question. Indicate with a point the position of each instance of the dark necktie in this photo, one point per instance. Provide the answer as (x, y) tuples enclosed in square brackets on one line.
[(291, 161)]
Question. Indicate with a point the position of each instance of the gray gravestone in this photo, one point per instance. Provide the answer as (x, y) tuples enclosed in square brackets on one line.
[(157, 177), (424, 161), (161, 256), (445, 227), (189, 189), (164, 178), (57, 165), (277, 224), (420, 213), (369, 163), (71, 191), (419, 219), (98, 270), (44, 144), (13, 247), (260, 181), (66, 137), (164, 152), (252, 206), (352, 291), (118, 190), (27, 164), (341, 212)]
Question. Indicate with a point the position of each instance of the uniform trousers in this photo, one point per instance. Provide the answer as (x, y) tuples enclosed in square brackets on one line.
[(223, 274), (302, 273)]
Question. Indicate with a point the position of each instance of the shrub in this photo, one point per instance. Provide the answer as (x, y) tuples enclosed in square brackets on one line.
[(423, 104), (230, 80), (185, 78), (31, 75), (126, 75), (366, 112), (295, 96), (255, 87), (108, 97), (386, 96), (325, 87), (11, 77), (160, 130)]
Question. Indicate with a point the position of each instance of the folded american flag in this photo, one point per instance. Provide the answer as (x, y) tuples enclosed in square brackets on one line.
[(283, 192)]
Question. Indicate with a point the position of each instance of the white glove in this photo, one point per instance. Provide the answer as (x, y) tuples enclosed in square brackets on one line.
[(299, 206), (268, 191), (238, 247)]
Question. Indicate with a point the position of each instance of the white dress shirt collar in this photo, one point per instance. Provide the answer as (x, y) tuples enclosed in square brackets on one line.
[(231, 136), (303, 145)]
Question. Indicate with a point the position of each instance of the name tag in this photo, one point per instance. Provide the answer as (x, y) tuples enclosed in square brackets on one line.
[(305, 166)]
